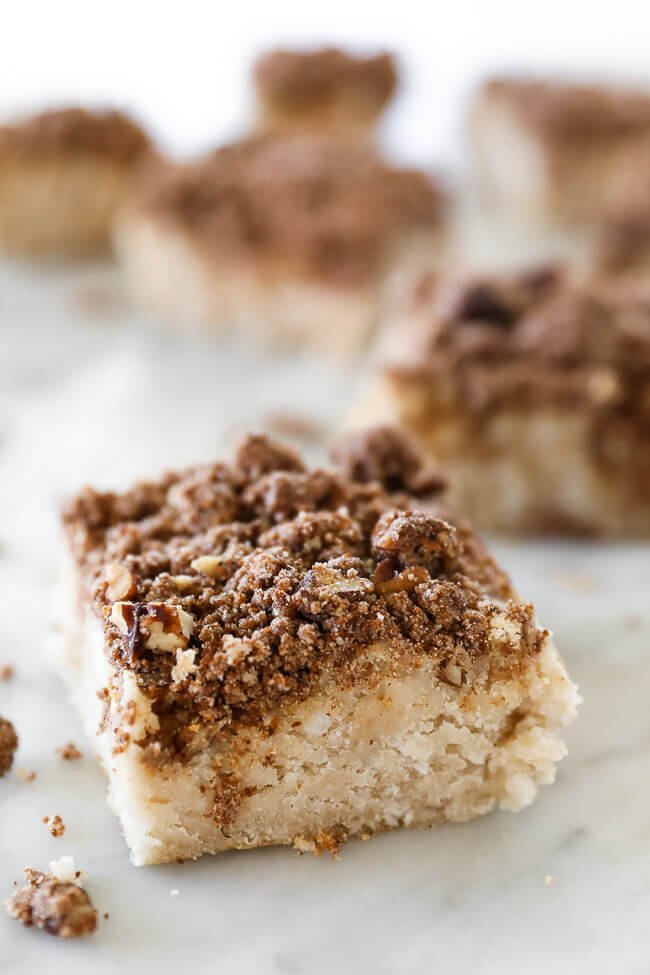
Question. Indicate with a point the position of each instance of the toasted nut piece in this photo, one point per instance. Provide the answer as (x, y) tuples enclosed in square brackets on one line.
[(120, 582), (169, 627), (123, 615), (209, 565)]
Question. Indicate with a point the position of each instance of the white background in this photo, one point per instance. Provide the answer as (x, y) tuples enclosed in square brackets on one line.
[(183, 66)]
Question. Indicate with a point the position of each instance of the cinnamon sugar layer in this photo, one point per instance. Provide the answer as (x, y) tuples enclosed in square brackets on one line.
[(243, 583)]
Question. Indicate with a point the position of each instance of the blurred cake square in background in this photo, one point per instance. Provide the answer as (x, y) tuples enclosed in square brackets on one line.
[(552, 152), (327, 90), (532, 392), (293, 238), (63, 175)]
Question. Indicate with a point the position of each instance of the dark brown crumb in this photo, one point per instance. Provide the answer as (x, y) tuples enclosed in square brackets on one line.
[(8, 745), (69, 752), (106, 916), (63, 910), (269, 573), (6, 672)]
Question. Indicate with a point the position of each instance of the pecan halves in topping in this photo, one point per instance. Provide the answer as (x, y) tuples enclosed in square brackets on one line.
[(163, 627), (415, 538)]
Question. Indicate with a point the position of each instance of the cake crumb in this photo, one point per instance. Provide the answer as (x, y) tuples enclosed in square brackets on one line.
[(58, 907), (548, 879), (174, 892), (25, 776), (57, 826), (63, 870), (69, 752), (8, 745), (6, 672)]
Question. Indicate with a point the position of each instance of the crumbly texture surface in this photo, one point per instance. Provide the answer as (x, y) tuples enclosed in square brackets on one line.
[(108, 134), (274, 640), (8, 745), (295, 205), (301, 81), (491, 358), (61, 909)]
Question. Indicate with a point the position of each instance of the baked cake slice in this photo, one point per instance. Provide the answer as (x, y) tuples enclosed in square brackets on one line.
[(289, 237), (531, 390), (326, 90), (63, 174), (550, 152), (266, 654)]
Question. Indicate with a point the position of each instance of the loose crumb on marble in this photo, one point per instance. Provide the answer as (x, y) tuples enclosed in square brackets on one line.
[(25, 776), (8, 745), (57, 906), (6, 672), (69, 752), (548, 879), (56, 825), (174, 892)]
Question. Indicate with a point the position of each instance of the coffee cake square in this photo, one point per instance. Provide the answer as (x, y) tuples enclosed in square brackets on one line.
[(531, 390), (290, 238), (63, 175), (269, 654), (552, 152)]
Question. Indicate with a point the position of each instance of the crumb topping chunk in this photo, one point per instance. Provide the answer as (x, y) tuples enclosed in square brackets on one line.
[(61, 909), (8, 745), (286, 574)]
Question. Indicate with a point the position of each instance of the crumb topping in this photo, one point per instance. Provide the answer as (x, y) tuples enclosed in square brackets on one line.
[(262, 575), (107, 133), (331, 211), (302, 80), (61, 909), (574, 111), (8, 745)]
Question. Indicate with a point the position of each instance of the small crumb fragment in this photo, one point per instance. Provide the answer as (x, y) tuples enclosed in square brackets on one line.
[(59, 907), (25, 776), (174, 893), (57, 827), (8, 745), (6, 672), (63, 870), (576, 581), (548, 879), (106, 916), (69, 752)]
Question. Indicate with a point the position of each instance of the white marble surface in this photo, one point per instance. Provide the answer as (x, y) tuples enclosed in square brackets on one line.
[(98, 396)]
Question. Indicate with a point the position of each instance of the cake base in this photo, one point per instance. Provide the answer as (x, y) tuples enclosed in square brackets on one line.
[(60, 205), (168, 274), (407, 750)]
